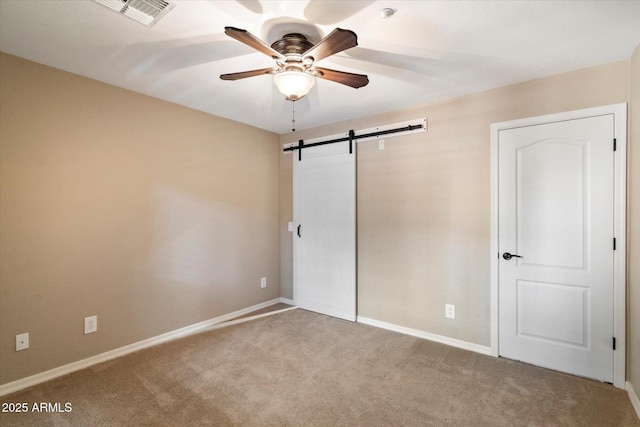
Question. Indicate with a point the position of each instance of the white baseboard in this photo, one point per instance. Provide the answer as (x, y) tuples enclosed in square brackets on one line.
[(118, 352), (245, 319), (635, 402), (426, 335), (287, 301)]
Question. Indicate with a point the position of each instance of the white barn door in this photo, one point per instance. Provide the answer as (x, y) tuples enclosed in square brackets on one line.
[(324, 237), (556, 245)]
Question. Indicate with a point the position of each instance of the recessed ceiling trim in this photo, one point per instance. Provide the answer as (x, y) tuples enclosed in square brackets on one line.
[(147, 12)]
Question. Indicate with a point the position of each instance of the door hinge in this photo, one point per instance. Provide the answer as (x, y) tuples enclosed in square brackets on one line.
[(614, 243), (615, 144), (614, 343)]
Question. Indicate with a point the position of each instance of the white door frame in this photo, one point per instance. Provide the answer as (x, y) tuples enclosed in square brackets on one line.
[(620, 133)]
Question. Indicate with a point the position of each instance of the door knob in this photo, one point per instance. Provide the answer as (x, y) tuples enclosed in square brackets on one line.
[(508, 256)]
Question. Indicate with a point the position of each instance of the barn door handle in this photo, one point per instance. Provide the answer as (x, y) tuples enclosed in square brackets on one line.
[(508, 256), (299, 225)]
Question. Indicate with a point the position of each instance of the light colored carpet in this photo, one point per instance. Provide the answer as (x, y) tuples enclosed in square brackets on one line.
[(299, 368)]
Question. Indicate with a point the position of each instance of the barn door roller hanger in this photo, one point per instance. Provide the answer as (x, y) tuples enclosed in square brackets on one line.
[(395, 129)]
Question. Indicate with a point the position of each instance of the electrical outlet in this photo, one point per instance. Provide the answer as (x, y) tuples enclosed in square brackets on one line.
[(381, 144), (450, 311), (90, 324), (263, 282), (22, 341)]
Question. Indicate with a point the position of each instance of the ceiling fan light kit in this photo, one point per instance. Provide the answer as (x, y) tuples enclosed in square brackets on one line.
[(294, 84), (295, 59)]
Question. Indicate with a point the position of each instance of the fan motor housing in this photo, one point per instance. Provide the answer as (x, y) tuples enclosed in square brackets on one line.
[(292, 44)]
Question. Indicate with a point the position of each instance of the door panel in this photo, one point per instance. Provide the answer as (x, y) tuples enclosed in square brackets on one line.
[(553, 312), (555, 210), (551, 202), (324, 252)]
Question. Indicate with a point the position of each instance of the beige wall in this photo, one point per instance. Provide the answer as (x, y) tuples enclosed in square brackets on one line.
[(633, 256), (147, 214), (424, 202)]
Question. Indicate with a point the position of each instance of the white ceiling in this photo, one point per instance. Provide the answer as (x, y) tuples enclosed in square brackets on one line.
[(427, 51)]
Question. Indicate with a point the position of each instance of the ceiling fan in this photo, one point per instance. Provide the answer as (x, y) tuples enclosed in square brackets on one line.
[(295, 57)]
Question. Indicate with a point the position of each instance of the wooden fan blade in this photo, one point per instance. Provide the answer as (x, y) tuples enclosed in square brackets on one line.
[(252, 41), (337, 41), (245, 74), (349, 79)]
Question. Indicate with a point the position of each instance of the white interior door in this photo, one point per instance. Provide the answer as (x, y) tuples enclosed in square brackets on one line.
[(324, 271), (556, 218)]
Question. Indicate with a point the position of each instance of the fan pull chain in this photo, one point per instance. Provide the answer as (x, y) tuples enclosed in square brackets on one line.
[(293, 116)]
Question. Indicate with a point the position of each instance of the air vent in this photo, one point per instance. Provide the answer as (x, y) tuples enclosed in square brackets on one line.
[(147, 12)]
